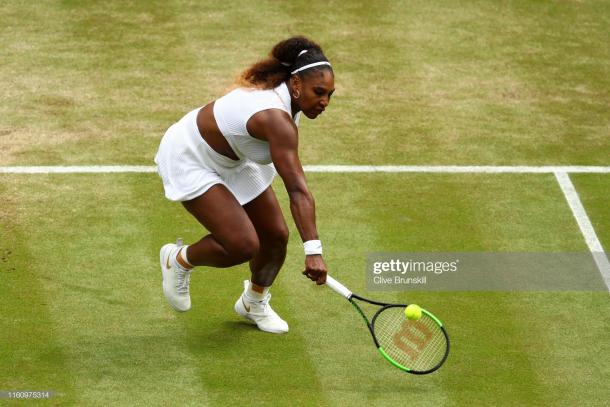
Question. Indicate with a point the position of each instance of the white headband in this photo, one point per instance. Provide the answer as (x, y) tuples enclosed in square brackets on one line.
[(300, 53), (310, 66)]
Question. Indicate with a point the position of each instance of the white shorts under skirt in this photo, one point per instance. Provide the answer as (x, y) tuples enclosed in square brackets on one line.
[(189, 167)]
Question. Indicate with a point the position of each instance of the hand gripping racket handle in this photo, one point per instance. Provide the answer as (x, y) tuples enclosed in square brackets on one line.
[(338, 287)]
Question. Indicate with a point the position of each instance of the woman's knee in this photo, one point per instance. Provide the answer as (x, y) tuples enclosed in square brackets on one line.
[(242, 247), (275, 240)]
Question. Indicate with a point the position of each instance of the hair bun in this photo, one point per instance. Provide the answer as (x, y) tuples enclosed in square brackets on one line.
[(270, 72), (289, 50)]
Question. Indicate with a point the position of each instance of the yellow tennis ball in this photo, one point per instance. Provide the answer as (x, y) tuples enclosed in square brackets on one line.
[(413, 312)]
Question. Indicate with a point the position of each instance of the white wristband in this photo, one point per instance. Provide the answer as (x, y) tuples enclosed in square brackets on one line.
[(312, 247)]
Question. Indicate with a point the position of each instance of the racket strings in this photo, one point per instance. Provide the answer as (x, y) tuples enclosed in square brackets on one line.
[(417, 345)]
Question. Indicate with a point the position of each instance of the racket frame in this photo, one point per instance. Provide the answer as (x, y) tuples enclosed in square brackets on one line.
[(350, 296)]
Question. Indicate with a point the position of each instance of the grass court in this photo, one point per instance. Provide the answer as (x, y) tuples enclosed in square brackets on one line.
[(491, 83)]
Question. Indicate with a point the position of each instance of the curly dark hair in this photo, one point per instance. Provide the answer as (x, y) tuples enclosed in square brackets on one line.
[(283, 59)]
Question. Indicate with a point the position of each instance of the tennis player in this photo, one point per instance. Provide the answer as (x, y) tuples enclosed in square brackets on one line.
[(220, 161)]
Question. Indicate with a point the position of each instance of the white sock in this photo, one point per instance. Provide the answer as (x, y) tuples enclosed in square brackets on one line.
[(175, 262), (182, 253), (254, 295)]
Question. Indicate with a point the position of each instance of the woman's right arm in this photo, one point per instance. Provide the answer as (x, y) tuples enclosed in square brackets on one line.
[(282, 135)]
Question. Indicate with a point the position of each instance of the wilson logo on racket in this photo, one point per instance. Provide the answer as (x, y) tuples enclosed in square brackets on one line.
[(412, 338)]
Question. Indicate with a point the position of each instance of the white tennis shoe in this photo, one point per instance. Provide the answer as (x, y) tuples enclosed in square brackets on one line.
[(260, 312), (175, 281)]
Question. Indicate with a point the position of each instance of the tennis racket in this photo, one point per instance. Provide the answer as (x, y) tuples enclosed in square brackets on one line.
[(417, 347)]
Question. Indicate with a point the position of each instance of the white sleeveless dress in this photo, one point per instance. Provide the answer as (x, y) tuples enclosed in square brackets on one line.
[(188, 166)]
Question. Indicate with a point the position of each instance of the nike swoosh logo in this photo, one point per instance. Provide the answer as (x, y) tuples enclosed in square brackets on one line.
[(245, 306), (167, 263)]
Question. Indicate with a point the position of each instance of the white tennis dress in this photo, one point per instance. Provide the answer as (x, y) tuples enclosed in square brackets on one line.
[(188, 166)]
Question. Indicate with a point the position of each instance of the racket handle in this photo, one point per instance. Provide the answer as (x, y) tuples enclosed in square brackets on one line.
[(338, 287)]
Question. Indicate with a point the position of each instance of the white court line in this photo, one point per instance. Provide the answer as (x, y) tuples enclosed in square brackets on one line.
[(95, 169), (561, 173), (80, 169), (458, 169), (585, 225)]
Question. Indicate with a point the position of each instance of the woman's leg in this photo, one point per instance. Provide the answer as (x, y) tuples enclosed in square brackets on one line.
[(255, 232), (267, 218), (232, 239)]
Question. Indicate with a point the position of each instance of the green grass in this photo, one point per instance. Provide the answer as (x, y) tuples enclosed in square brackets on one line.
[(418, 82), (86, 265), (476, 82)]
